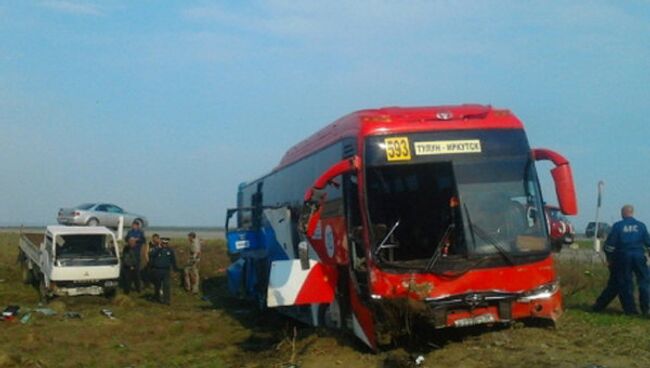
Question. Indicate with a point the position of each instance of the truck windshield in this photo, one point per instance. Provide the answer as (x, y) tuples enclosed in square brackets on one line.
[(487, 206), (79, 246)]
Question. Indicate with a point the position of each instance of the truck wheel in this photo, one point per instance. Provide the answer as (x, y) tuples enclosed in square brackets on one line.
[(43, 293), (110, 294), (92, 222), (27, 275)]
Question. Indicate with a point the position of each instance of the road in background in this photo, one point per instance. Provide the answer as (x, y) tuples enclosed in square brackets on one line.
[(168, 232)]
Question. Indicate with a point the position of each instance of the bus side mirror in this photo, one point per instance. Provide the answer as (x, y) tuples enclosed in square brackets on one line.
[(565, 189), (315, 195), (563, 179)]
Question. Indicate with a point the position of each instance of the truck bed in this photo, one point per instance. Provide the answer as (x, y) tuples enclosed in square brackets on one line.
[(34, 238), (30, 245)]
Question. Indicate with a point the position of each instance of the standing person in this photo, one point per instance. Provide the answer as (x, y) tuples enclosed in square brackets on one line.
[(138, 235), (145, 273), (130, 267), (162, 259), (625, 247), (192, 268)]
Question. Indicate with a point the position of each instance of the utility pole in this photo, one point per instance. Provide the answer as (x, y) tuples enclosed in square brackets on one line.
[(601, 186)]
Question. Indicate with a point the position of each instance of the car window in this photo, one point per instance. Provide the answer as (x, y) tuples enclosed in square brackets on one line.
[(102, 207), (114, 209)]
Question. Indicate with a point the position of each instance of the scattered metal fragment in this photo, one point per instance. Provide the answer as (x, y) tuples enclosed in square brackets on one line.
[(25, 319), (72, 315), (108, 313), (45, 311)]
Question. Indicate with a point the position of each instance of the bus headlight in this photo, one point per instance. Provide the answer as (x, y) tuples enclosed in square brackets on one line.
[(542, 292)]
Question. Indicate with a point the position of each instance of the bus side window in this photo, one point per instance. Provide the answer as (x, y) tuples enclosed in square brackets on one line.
[(256, 203)]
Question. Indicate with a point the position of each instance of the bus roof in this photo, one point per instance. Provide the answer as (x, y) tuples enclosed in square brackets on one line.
[(396, 120)]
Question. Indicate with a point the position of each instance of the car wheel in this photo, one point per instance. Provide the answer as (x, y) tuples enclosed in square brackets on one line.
[(92, 222)]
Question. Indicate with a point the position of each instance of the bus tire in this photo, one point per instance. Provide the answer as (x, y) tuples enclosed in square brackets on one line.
[(330, 316)]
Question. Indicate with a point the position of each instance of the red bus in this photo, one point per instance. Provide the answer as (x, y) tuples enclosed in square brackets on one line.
[(434, 213)]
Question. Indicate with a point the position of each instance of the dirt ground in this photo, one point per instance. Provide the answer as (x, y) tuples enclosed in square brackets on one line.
[(218, 331)]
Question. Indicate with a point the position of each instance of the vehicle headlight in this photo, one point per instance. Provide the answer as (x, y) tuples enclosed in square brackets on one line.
[(541, 292)]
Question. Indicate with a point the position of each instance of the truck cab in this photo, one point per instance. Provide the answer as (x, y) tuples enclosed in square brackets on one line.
[(71, 260)]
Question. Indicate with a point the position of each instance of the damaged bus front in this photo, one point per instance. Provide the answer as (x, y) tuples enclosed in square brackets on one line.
[(391, 217), (457, 227)]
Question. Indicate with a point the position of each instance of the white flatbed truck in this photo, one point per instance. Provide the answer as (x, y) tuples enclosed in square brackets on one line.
[(70, 261)]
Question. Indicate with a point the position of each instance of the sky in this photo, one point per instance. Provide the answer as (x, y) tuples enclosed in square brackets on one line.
[(164, 107)]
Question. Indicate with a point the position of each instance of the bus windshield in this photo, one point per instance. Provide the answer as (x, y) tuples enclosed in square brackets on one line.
[(502, 205), (470, 207)]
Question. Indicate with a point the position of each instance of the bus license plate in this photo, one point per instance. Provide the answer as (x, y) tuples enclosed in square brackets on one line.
[(477, 320)]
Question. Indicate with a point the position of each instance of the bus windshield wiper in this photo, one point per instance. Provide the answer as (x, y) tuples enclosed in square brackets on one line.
[(475, 229), (383, 245), (495, 243), (469, 223)]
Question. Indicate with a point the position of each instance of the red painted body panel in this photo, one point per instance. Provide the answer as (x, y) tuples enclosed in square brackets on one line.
[(337, 254), (550, 308), (319, 286), (394, 120), (421, 286)]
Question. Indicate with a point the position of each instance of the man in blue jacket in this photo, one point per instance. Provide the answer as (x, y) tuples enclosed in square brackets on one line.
[(625, 248), (137, 235)]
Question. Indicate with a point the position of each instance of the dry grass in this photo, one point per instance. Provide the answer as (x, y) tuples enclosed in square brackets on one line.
[(224, 332)]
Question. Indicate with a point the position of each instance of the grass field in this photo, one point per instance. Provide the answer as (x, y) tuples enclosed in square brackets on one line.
[(218, 331)]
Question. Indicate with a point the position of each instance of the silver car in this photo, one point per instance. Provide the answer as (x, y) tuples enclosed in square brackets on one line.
[(93, 214)]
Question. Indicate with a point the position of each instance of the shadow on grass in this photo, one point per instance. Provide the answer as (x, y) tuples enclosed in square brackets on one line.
[(268, 327)]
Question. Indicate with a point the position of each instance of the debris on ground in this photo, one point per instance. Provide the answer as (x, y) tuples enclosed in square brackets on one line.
[(419, 360), (25, 319), (10, 312), (108, 313), (72, 315), (45, 311)]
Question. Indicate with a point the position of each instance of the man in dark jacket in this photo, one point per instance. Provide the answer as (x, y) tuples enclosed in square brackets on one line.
[(138, 236), (162, 259), (625, 248), (130, 270)]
